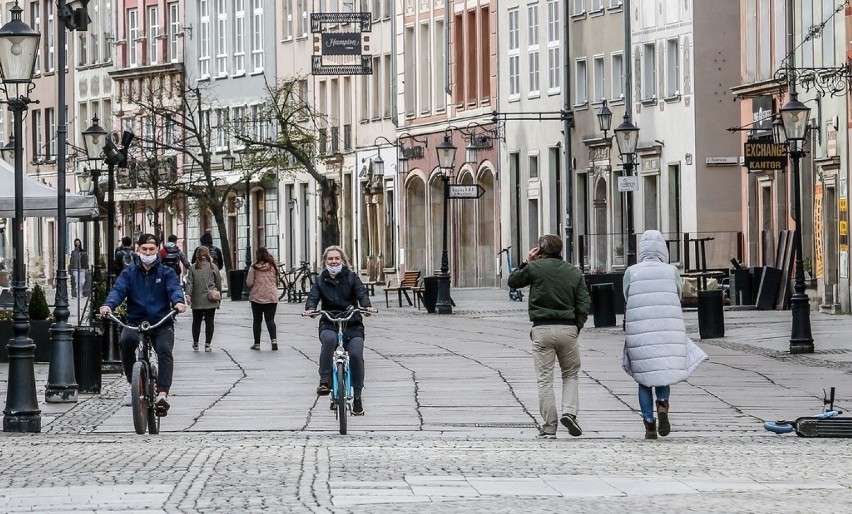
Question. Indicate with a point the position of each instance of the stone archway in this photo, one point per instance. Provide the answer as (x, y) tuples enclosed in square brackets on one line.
[(416, 238), (487, 227), (600, 230)]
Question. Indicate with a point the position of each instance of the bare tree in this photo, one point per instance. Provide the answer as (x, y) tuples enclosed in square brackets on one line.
[(293, 145), (179, 127)]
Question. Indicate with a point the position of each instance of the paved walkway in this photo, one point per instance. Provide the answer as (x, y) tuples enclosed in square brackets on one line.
[(451, 408)]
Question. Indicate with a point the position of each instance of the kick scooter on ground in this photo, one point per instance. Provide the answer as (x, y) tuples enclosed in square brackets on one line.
[(825, 424)]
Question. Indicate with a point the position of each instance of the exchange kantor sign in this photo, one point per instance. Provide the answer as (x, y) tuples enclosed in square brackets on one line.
[(464, 191)]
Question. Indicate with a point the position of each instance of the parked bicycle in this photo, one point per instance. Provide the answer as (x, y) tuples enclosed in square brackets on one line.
[(296, 282), (143, 385), (516, 295), (341, 376)]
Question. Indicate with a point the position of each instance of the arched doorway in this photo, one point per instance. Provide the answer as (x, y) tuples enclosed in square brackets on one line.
[(415, 217), (600, 230)]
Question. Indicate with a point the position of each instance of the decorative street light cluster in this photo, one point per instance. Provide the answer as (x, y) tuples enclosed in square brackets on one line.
[(446, 161), (19, 45), (627, 138)]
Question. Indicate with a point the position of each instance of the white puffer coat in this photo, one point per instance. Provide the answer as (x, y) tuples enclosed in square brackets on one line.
[(657, 351)]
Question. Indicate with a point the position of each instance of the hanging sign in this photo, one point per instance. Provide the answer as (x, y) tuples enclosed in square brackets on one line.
[(765, 156)]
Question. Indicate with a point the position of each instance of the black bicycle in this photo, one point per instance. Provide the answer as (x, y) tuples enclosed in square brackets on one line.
[(143, 385), (296, 282)]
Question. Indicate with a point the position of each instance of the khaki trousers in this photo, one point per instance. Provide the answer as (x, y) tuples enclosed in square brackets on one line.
[(552, 343)]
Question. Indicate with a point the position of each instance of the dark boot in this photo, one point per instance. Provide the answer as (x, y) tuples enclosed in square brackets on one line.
[(663, 414), (650, 429)]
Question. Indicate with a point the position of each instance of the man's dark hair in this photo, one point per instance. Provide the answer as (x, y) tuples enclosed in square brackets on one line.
[(147, 239), (206, 239), (550, 244), (126, 240), (173, 238)]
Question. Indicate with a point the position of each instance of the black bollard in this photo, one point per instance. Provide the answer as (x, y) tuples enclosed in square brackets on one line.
[(711, 315), (603, 304)]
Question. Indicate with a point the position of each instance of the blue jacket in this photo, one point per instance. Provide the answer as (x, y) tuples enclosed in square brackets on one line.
[(150, 294)]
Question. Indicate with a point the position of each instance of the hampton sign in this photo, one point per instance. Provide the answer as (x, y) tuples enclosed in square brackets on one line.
[(341, 53), (765, 156)]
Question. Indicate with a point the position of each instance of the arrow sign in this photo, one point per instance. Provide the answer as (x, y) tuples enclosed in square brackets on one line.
[(460, 191)]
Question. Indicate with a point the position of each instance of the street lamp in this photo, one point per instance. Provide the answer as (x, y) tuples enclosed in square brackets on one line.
[(446, 161), (794, 116), (627, 138), (8, 151), (228, 164), (18, 50)]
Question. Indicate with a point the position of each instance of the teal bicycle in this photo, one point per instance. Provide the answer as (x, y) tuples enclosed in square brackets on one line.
[(341, 374)]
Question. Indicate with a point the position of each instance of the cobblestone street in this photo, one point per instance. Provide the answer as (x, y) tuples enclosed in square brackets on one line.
[(451, 417)]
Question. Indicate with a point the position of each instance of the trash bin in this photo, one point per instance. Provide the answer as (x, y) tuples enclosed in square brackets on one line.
[(711, 315), (603, 304), (430, 293), (87, 358), (237, 280)]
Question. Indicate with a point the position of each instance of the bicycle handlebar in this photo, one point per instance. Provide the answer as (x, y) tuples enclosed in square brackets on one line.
[(335, 316), (144, 326)]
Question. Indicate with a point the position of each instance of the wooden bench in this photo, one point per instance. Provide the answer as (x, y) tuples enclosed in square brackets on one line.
[(408, 283), (370, 287)]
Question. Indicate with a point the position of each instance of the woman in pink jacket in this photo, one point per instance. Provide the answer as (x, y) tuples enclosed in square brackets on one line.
[(263, 281)]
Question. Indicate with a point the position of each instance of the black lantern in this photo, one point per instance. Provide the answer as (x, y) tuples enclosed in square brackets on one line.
[(378, 166), (228, 162), (446, 155), (93, 139), (627, 137), (604, 118)]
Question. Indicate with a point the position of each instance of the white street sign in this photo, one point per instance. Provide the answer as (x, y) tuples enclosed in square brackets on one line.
[(628, 184)]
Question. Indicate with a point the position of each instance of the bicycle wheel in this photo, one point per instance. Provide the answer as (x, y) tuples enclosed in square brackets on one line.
[(306, 282), (283, 284), (341, 397), (138, 384), (153, 419)]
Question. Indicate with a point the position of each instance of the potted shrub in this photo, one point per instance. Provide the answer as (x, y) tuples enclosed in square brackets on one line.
[(40, 321)]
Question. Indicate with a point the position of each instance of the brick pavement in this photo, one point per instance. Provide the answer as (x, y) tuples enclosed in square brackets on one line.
[(451, 414)]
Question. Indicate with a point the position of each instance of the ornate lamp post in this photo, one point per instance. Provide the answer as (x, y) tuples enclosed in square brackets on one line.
[(446, 160), (18, 51), (626, 137), (794, 116)]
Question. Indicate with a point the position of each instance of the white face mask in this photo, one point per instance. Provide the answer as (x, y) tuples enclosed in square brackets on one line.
[(148, 260), (334, 270)]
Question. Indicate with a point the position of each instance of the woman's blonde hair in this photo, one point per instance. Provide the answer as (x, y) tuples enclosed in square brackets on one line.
[(335, 248)]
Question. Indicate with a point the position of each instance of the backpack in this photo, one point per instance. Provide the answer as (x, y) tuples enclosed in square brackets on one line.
[(172, 259), (124, 259)]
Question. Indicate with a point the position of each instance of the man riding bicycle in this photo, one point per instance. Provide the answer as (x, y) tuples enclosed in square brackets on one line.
[(151, 290), (339, 288)]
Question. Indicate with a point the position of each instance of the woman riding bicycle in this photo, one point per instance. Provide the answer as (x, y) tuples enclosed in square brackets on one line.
[(339, 288)]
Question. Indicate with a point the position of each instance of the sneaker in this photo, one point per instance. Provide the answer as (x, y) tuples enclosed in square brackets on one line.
[(569, 421), (207, 347), (274, 345), (255, 346), (357, 407), (663, 425), (323, 389), (650, 429), (195, 346), (545, 435), (162, 406), (127, 401)]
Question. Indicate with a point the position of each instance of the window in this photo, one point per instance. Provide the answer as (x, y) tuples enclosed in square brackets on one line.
[(287, 18), (239, 36), (827, 36), (617, 75), (51, 38), (171, 132), (221, 38), (533, 162), (439, 55), (153, 35), (38, 136), (132, 38), (302, 14), (36, 18), (554, 61), (148, 133), (204, 38), (514, 55), (93, 52), (649, 72), (580, 95), (579, 6), (672, 68), (614, 3), (599, 79), (597, 5), (532, 50), (50, 115), (257, 35), (174, 28), (425, 79), (239, 117), (221, 129), (807, 20)]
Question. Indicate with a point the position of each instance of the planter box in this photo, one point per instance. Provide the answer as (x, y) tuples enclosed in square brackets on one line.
[(39, 333)]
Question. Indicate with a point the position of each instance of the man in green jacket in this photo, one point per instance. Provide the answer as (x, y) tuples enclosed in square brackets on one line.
[(558, 308)]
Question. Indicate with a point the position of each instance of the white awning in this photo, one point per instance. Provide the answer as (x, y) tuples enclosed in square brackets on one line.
[(40, 199)]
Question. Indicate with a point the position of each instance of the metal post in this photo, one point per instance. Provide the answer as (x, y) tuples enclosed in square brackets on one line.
[(444, 303), (96, 274), (112, 357), (631, 239), (245, 295), (61, 382), (21, 413), (801, 340)]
